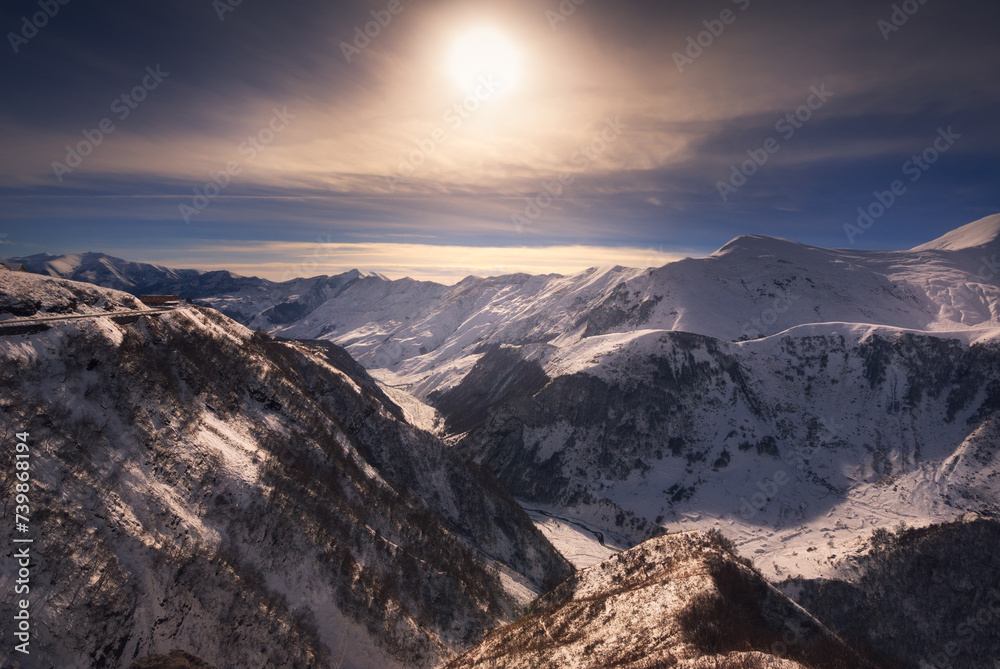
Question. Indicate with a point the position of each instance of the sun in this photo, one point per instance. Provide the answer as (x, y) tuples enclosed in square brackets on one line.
[(485, 55)]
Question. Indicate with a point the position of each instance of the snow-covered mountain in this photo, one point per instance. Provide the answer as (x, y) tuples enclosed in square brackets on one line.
[(197, 486), (788, 392), (249, 300), (134, 277), (794, 397), (752, 287), (797, 395)]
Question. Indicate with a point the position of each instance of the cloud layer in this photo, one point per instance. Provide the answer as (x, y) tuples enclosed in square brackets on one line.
[(625, 119)]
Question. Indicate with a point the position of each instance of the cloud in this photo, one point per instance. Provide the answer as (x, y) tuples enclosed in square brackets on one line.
[(467, 165), (444, 264)]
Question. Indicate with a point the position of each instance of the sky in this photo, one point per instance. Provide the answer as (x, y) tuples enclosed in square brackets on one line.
[(437, 139)]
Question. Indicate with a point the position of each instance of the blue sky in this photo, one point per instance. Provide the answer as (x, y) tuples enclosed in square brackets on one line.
[(329, 157)]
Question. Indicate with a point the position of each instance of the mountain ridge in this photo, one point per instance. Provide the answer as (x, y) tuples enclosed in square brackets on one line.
[(982, 232), (201, 486)]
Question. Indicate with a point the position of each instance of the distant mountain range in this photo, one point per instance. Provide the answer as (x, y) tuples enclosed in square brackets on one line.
[(134, 277), (635, 398), (753, 286)]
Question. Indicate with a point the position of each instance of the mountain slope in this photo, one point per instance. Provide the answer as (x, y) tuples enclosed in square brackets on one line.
[(795, 445), (248, 300), (752, 287), (921, 597), (256, 502), (976, 235), (681, 600), (133, 277)]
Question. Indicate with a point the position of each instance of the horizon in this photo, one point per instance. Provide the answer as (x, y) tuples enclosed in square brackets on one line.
[(284, 273), (451, 141)]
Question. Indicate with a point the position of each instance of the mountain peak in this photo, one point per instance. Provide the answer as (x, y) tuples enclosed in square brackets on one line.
[(760, 245), (979, 233)]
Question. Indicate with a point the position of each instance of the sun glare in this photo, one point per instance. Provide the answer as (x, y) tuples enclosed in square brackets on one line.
[(485, 56)]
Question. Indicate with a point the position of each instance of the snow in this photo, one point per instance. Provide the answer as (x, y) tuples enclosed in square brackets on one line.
[(429, 336), (974, 235), (577, 543), (417, 413)]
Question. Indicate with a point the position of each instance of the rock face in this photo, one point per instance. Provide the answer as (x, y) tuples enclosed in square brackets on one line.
[(921, 597), (256, 502), (681, 600)]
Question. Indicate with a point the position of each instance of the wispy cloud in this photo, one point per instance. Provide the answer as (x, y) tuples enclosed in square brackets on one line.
[(469, 169), (444, 264)]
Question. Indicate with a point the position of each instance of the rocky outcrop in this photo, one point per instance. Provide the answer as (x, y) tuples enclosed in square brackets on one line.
[(682, 600)]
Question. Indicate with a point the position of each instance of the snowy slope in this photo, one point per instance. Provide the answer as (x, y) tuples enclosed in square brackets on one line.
[(26, 296), (197, 486), (795, 446), (752, 287), (975, 235)]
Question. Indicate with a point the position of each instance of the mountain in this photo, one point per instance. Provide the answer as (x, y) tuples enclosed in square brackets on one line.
[(794, 446), (683, 600), (795, 396), (133, 277), (199, 487), (252, 301), (922, 597), (981, 234)]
